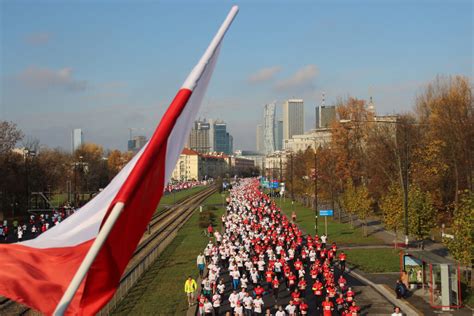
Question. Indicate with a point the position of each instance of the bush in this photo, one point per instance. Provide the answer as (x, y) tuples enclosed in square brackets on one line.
[(207, 217)]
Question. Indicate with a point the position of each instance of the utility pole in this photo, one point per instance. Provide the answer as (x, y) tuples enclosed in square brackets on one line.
[(315, 189), (405, 191), (291, 178)]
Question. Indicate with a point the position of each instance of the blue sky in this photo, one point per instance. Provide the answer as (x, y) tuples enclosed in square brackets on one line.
[(105, 66)]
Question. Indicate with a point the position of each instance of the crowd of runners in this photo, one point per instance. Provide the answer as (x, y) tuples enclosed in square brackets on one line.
[(262, 264), (175, 186)]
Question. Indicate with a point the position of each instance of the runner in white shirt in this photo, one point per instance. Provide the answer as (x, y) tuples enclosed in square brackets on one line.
[(221, 287), (208, 309), (291, 309), (242, 294), (280, 311), (233, 299), (239, 310), (248, 303), (216, 303), (397, 311), (258, 306)]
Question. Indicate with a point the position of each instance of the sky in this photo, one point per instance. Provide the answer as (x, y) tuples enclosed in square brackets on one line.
[(107, 66)]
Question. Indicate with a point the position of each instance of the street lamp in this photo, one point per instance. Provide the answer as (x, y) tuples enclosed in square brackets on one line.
[(28, 153), (315, 203)]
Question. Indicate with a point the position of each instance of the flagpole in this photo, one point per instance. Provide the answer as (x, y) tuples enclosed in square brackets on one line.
[(89, 259), (104, 232)]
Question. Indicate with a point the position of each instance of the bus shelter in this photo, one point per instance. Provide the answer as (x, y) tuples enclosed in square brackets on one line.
[(438, 275)]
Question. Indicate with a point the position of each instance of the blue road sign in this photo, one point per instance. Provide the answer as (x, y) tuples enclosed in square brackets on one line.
[(326, 213)]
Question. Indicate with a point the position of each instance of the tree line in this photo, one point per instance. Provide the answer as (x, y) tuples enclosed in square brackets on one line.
[(27, 168), (424, 158)]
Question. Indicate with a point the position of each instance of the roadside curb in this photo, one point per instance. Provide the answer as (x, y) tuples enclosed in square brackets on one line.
[(407, 308)]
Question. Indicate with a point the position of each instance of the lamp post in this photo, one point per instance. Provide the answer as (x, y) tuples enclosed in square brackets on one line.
[(28, 153), (315, 188)]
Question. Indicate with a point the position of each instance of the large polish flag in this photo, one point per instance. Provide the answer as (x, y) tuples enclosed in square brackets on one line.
[(38, 272)]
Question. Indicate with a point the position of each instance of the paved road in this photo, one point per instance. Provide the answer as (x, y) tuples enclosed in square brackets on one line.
[(370, 301)]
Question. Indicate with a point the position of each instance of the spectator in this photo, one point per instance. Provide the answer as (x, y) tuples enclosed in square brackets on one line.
[(400, 289), (397, 311), (190, 287), (201, 263)]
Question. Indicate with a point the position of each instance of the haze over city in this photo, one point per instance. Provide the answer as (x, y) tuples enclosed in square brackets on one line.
[(108, 66)]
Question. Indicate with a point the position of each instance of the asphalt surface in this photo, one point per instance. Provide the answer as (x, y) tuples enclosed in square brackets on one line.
[(370, 301)]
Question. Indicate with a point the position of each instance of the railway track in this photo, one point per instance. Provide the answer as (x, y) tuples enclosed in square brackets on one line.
[(161, 228)]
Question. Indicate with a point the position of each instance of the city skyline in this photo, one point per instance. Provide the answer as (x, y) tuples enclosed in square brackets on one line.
[(71, 69)]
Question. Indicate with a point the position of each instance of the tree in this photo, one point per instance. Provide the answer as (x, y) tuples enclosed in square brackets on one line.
[(363, 205), (392, 209), (10, 135), (348, 200), (421, 213), (446, 107), (461, 246)]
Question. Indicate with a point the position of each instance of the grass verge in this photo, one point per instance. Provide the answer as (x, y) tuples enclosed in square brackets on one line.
[(172, 198), (160, 290), (341, 233), (374, 260)]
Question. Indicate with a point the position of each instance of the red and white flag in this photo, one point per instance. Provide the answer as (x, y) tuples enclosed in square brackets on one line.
[(38, 272)]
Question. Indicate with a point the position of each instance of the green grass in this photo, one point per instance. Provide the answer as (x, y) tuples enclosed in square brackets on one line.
[(173, 198), (341, 233), (374, 260), (160, 290)]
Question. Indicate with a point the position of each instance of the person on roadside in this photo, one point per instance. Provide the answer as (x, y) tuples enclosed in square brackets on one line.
[(190, 287), (210, 230), (201, 263), (397, 311), (400, 289), (404, 279)]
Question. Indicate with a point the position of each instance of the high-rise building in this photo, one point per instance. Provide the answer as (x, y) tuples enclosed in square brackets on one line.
[(325, 114), (259, 138), (293, 118), (221, 138), (199, 137), (77, 139), (210, 136), (269, 128), (278, 133)]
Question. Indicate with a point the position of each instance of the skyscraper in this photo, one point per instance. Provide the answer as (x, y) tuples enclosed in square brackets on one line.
[(210, 136), (325, 114), (278, 133), (259, 138), (199, 137), (293, 118), (269, 128), (77, 138), (221, 137)]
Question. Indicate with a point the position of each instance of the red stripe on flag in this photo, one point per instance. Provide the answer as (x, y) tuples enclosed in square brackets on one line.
[(38, 277)]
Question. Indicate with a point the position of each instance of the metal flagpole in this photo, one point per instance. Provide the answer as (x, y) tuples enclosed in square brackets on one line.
[(89, 259), (190, 81)]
